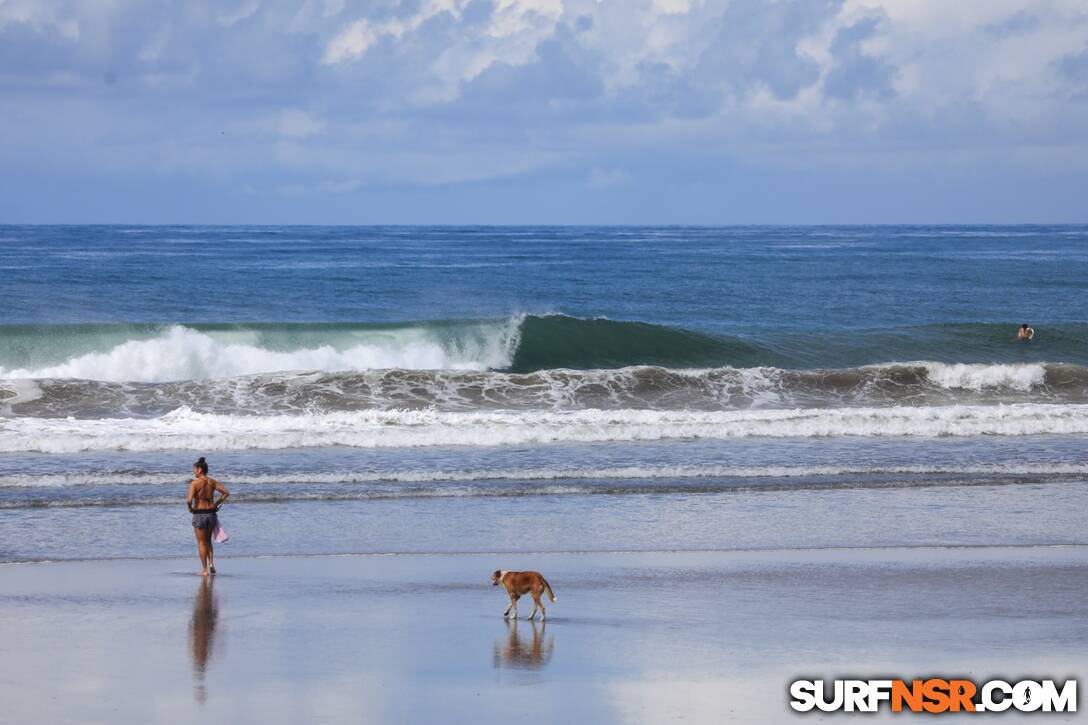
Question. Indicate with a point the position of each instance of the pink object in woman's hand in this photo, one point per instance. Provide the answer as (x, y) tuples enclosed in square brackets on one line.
[(220, 535)]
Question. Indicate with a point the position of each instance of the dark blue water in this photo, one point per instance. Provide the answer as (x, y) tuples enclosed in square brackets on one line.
[(319, 365), (735, 281)]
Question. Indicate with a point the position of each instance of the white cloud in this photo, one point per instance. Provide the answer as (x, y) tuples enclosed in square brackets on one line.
[(231, 16), (297, 124), (353, 41), (40, 16), (512, 17), (672, 7)]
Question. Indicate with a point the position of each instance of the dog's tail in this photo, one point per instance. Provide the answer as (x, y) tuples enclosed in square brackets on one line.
[(551, 594)]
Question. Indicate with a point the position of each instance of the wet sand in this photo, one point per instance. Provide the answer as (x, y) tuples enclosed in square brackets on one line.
[(646, 637)]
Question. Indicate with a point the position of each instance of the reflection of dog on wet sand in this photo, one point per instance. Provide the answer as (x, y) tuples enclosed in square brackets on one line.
[(516, 652), (519, 583)]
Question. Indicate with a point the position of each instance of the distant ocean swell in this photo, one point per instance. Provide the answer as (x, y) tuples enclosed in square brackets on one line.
[(184, 429)]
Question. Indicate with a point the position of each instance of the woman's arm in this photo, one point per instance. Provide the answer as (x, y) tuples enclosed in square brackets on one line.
[(189, 498), (223, 493)]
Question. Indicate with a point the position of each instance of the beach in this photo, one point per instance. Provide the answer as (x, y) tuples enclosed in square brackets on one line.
[(633, 637), (675, 607)]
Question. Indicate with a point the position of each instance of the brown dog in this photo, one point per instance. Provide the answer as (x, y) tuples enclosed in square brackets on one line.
[(518, 583)]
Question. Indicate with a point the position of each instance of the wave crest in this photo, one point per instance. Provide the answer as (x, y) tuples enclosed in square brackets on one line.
[(179, 352)]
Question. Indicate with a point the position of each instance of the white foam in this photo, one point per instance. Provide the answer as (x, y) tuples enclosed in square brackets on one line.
[(965, 376), (408, 476), (17, 392), (184, 429), (182, 353)]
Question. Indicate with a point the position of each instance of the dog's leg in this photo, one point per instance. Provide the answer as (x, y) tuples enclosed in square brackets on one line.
[(536, 604), (513, 607)]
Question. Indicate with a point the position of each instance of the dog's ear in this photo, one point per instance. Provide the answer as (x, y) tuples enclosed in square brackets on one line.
[(496, 574)]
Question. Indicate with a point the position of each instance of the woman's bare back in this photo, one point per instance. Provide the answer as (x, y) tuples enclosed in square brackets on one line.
[(202, 491)]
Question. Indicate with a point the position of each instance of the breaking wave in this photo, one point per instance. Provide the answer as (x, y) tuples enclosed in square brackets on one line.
[(147, 353), (518, 344)]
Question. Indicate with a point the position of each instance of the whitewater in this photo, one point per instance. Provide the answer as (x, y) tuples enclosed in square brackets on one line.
[(179, 352), (186, 429)]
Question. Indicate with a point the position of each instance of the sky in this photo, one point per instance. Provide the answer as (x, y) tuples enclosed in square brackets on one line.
[(543, 111)]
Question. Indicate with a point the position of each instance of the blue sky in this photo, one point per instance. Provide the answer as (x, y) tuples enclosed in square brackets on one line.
[(543, 111)]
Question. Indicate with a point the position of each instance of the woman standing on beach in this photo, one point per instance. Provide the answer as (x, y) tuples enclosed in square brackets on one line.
[(203, 507)]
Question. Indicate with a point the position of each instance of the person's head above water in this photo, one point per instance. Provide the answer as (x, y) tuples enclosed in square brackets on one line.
[(1022, 327), (201, 467)]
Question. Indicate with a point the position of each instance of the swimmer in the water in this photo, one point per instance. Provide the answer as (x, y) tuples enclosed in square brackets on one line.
[(1025, 332)]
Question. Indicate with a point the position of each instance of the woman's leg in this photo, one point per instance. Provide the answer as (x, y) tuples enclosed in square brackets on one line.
[(210, 538), (202, 549)]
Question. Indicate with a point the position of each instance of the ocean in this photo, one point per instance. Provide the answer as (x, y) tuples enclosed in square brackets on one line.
[(455, 389)]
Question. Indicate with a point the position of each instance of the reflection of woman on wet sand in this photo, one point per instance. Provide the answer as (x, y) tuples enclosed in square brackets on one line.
[(202, 634), (515, 653)]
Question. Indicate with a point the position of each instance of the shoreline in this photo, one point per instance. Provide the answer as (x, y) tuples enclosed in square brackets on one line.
[(225, 548)]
